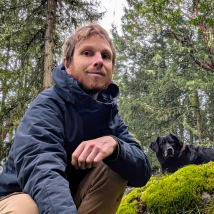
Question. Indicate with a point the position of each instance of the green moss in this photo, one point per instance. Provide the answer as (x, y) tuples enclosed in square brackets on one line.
[(211, 207), (129, 204), (179, 192), (175, 192)]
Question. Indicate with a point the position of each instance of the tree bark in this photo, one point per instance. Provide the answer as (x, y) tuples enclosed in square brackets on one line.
[(198, 116), (4, 90), (49, 44), (189, 116), (191, 137)]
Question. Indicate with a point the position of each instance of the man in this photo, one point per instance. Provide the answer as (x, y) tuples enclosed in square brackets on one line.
[(72, 152)]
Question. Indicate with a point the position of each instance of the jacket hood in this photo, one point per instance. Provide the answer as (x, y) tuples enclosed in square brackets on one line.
[(95, 113)]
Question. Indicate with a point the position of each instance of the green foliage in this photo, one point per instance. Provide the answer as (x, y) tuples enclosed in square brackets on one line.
[(22, 44), (163, 71), (174, 193)]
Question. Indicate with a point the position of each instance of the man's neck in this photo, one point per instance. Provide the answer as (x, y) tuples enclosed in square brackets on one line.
[(94, 95), (90, 92)]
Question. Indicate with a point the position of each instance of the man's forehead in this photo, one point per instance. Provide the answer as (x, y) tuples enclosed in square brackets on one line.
[(92, 39)]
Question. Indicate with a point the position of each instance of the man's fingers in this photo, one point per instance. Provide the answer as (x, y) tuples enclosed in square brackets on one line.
[(83, 157), (75, 156), (98, 159), (86, 158), (90, 159), (81, 154), (90, 153)]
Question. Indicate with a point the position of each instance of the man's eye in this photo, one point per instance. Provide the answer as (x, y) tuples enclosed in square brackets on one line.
[(86, 53), (105, 56)]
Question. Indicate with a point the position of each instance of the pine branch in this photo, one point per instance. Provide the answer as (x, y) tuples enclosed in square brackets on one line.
[(12, 107), (5, 130), (209, 50), (179, 7), (14, 8), (36, 9), (196, 8), (208, 66), (184, 40), (212, 42), (34, 37), (204, 36)]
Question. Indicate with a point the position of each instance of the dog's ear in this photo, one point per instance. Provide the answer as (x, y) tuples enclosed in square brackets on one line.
[(154, 145), (177, 139)]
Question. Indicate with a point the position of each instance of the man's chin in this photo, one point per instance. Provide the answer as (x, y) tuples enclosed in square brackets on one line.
[(92, 90)]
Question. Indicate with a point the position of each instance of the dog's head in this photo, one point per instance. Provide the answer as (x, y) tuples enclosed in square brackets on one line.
[(167, 146)]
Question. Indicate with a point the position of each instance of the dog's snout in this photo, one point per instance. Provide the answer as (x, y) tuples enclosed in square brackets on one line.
[(169, 151)]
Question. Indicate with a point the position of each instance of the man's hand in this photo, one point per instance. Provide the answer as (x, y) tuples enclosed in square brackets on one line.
[(89, 153)]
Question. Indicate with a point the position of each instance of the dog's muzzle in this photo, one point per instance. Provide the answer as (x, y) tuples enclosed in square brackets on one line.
[(169, 152)]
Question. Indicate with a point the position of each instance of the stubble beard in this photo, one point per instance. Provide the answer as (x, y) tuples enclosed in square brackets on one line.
[(95, 85)]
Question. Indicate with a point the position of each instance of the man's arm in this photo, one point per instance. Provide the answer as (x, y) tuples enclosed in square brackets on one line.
[(132, 164), (40, 158), (121, 153)]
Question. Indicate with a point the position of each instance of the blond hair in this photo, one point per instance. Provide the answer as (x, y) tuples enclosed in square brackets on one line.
[(81, 34)]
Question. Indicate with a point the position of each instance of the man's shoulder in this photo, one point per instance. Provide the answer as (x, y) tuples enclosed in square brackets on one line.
[(48, 96)]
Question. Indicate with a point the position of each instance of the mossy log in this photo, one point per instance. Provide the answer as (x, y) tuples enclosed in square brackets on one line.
[(188, 190)]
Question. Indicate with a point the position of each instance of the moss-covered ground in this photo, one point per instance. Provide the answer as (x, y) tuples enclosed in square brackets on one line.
[(177, 193)]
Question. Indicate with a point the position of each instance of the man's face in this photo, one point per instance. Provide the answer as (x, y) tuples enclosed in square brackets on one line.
[(92, 64)]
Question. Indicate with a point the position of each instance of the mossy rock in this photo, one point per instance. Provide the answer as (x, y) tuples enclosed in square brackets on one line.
[(177, 193)]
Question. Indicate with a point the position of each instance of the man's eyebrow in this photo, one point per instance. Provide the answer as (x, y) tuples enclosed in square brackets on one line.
[(84, 46)]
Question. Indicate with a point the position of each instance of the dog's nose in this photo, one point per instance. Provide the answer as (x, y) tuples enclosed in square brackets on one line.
[(169, 151)]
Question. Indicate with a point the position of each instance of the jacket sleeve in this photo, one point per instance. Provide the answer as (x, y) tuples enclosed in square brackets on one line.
[(40, 158), (132, 164)]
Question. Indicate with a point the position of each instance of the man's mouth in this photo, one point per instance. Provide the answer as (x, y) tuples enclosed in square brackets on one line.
[(95, 74)]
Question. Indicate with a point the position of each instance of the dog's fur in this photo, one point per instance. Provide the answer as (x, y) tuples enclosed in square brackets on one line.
[(172, 153)]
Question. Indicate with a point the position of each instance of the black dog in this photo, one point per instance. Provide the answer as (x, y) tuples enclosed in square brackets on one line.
[(173, 154)]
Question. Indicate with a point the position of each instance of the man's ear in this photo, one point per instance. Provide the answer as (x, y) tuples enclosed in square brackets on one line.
[(154, 145), (66, 66), (174, 137)]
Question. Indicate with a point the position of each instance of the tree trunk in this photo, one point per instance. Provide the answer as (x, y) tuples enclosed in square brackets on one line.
[(4, 90), (191, 137), (49, 44), (189, 117), (198, 116), (181, 129)]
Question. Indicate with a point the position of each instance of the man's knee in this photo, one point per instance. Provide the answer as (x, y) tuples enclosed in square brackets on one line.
[(100, 191), (105, 173), (112, 181), (18, 203)]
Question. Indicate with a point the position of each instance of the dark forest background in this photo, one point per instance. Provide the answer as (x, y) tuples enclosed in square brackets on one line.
[(165, 64)]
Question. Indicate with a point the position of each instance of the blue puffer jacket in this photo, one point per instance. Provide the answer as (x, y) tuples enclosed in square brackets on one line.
[(58, 120)]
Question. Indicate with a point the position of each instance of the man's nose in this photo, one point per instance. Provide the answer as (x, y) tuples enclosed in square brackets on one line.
[(98, 60)]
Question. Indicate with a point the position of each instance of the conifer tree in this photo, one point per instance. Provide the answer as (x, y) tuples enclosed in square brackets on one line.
[(31, 36), (165, 70)]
